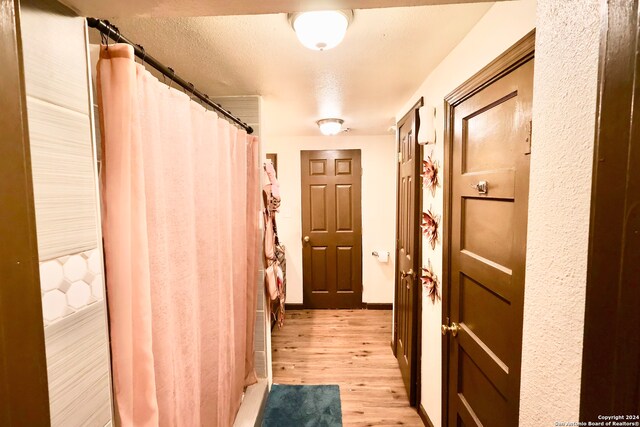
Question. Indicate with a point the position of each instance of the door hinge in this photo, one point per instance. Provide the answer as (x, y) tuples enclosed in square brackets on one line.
[(400, 157), (528, 141)]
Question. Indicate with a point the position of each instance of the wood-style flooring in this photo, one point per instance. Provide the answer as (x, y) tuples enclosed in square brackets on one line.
[(350, 348)]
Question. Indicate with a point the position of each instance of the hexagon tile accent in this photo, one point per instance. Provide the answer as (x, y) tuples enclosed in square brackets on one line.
[(70, 283)]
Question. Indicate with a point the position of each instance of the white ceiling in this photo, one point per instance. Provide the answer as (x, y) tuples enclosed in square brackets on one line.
[(167, 8), (385, 56)]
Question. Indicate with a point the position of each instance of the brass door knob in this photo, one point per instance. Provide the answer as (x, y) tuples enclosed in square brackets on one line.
[(404, 274), (454, 328), (306, 239)]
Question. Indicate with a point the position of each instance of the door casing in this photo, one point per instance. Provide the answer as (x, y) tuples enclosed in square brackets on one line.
[(24, 392), (518, 54)]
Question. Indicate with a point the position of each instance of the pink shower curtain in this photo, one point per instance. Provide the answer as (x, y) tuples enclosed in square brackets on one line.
[(181, 211)]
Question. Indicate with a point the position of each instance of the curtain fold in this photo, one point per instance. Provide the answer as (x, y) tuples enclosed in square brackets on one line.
[(180, 208)]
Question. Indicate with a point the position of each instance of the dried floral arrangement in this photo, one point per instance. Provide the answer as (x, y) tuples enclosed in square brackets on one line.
[(430, 283), (430, 227), (430, 174)]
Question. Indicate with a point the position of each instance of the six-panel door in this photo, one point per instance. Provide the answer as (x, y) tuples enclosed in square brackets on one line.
[(331, 228), (407, 252)]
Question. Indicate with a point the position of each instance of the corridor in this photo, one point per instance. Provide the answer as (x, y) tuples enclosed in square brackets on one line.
[(350, 348)]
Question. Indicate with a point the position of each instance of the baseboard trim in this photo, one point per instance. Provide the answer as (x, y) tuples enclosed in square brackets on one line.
[(377, 306), (424, 417), (294, 306)]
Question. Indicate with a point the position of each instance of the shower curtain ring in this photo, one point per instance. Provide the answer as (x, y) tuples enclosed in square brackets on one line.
[(144, 53), (108, 34), (173, 74), (116, 30), (193, 90)]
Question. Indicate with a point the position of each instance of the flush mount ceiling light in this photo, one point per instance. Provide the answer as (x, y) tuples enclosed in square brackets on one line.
[(330, 126), (321, 30)]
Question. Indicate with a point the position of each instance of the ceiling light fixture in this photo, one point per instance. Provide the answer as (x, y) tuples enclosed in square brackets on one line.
[(330, 126), (321, 30)]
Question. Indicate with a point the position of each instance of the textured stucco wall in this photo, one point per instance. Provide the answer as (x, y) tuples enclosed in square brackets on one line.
[(502, 26), (564, 106)]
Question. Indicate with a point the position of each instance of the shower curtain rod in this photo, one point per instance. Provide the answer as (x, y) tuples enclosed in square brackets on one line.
[(112, 32)]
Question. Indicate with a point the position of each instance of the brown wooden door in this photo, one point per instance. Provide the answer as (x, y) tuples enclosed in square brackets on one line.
[(490, 137), (611, 352), (331, 229), (407, 251)]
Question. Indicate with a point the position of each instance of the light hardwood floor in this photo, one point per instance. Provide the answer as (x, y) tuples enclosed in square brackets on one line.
[(350, 348)]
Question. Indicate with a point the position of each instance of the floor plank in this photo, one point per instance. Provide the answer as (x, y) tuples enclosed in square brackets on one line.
[(350, 348)]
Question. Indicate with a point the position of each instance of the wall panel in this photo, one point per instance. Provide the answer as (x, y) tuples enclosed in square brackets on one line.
[(67, 214)]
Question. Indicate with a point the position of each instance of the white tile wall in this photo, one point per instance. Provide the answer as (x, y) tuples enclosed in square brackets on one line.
[(70, 284), (54, 43), (63, 178), (66, 202), (78, 368), (246, 108), (59, 128)]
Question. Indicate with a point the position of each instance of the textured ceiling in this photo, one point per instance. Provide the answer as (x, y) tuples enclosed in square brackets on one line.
[(384, 57), (167, 8)]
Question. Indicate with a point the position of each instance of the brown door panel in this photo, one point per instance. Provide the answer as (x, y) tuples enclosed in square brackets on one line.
[(331, 219), (407, 252), (488, 212), (611, 352), (500, 184)]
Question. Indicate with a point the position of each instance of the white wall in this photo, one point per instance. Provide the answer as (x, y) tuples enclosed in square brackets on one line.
[(378, 207), (564, 105), (503, 25)]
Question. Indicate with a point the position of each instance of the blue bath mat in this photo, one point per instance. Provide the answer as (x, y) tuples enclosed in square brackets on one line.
[(303, 406)]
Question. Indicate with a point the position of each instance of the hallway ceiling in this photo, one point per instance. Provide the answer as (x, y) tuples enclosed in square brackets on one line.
[(166, 8), (385, 56)]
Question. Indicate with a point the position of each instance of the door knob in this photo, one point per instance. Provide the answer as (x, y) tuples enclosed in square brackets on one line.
[(306, 239), (481, 186), (404, 274), (454, 328)]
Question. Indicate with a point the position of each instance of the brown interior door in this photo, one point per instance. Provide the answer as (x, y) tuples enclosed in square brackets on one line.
[(407, 252), (610, 380), (489, 192), (331, 229)]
